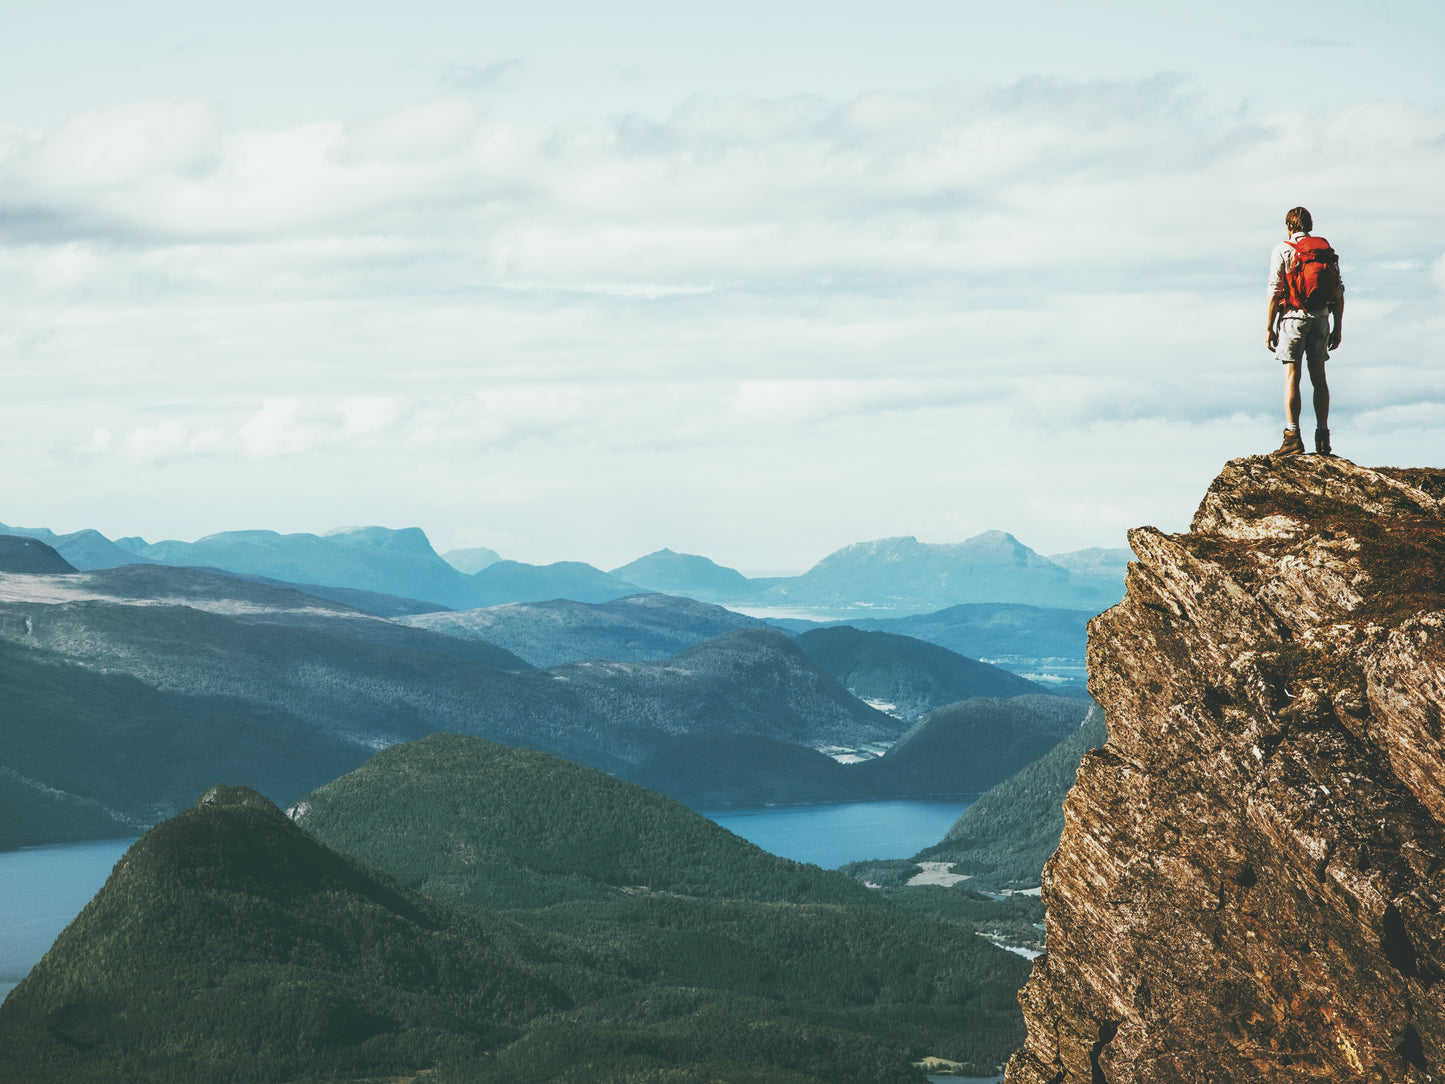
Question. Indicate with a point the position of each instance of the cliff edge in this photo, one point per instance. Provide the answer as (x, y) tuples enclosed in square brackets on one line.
[(1250, 881)]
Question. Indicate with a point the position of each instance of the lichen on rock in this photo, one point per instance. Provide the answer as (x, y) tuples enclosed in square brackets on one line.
[(1250, 886)]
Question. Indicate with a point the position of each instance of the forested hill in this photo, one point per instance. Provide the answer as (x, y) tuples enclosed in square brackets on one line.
[(472, 820), (230, 944), (906, 677)]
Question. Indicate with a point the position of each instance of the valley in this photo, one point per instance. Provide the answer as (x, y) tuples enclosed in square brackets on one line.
[(426, 745)]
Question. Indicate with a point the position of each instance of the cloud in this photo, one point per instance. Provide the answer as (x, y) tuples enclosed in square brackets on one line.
[(292, 427), (1069, 187), (1042, 284), (165, 442), (479, 77)]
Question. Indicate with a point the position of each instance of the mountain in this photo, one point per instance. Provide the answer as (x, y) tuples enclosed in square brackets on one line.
[(680, 900), (687, 574), (83, 549), (372, 602), (717, 770), (513, 581), (387, 562), (903, 676), (899, 576), (497, 826), (1002, 840), (232, 943), (1027, 640), (752, 681), (473, 560), (959, 750), (367, 558), (22, 554), (630, 629), (968, 747), (125, 687), (1248, 884), (1105, 564)]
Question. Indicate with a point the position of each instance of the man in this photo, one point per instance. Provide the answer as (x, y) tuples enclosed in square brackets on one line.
[(1298, 326)]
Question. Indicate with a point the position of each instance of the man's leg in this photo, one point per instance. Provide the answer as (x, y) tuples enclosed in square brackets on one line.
[(1322, 405), (1322, 393), (1292, 444), (1291, 393)]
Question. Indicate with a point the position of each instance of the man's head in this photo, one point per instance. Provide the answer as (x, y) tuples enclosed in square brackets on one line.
[(1297, 220)]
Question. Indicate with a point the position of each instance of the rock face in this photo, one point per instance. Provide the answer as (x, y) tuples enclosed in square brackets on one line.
[(1250, 881)]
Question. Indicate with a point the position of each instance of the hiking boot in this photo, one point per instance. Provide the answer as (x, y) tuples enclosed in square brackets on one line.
[(1322, 442), (1292, 445)]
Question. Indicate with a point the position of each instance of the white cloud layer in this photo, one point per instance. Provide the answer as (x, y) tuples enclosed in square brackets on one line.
[(758, 327)]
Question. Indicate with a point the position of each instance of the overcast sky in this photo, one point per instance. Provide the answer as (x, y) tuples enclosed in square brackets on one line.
[(756, 280)]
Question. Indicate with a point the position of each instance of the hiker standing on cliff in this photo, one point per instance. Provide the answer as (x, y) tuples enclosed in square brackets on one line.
[(1305, 289)]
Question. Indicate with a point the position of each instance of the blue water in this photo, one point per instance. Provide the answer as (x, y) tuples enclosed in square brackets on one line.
[(41, 890), (831, 835)]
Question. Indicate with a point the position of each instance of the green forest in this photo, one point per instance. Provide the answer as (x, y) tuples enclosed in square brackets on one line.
[(499, 915)]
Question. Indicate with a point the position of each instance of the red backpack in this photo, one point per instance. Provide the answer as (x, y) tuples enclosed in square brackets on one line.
[(1313, 277)]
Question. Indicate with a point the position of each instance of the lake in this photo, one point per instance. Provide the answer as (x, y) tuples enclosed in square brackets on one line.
[(41, 890), (831, 835)]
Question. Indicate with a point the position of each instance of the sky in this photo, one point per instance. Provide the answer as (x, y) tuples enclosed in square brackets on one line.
[(755, 281)]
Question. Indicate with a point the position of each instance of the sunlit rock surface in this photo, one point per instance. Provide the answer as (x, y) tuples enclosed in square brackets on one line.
[(1249, 886)]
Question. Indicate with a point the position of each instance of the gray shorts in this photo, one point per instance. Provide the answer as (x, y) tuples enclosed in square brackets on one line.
[(1304, 335)]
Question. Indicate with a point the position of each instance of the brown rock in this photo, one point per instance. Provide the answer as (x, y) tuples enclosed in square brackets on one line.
[(1250, 882)]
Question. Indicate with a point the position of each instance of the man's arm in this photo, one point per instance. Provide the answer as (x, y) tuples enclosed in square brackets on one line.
[(1276, 296), (1271, 324), (1337, 307)]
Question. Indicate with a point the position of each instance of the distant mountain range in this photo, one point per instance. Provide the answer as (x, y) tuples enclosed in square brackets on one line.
[(473, 912), (887, 578), (1023, 639), (130, 686), (690, 575), (127, 688), (632, 629), (903, 576)]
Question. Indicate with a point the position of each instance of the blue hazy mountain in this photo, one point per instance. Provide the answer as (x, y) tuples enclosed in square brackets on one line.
[(688, 574), (514, 581), (392, 562), (1097, 561), (904, 676), (85, 550), (630, 629), (897, 576), (472, 560), (1024, 639), (887, 577)]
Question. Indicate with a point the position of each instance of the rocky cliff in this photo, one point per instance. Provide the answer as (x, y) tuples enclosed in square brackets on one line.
[(1250, 882)]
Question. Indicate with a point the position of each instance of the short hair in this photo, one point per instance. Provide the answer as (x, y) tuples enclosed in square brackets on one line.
[(1297, 220)]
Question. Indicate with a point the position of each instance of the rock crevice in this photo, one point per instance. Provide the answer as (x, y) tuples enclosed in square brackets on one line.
[(1250, 886)]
